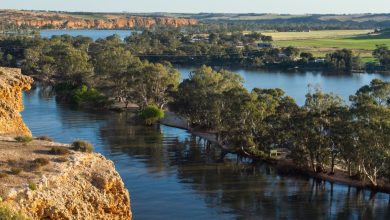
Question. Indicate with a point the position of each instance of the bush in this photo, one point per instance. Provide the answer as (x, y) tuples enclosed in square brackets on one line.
[(3, 175), (15, 170), (32, 186), (57, 150), (45, 138), (151, 114), (7, 214), (61, 160), (23, 139), (82, 146), (41, 161), (88, 96)]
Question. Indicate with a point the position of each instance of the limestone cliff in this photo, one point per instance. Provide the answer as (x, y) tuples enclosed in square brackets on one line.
[(68, 185), (12, 83), (77, 185), (103, 21)]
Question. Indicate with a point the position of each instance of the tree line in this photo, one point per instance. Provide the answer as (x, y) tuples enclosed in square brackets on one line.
[(214, 49), (323, 133)]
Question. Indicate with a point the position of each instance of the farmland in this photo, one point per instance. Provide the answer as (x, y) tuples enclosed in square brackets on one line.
[(321, 42)]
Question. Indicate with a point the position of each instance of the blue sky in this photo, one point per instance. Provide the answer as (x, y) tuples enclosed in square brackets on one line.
[(195, 6)]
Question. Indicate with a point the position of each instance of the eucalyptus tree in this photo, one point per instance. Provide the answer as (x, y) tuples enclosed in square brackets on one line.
[(112, 63), (198, 96), (59, 62), (313, 134), (371, 115), (154, 84)]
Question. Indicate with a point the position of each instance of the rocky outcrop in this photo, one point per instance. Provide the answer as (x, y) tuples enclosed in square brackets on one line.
[(12, 83), (86, 187), (72, 185), (69, 21)]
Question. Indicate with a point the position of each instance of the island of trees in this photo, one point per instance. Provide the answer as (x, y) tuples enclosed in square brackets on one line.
[(322, 135)]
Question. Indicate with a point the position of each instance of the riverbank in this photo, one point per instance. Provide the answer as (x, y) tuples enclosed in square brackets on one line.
[(286, 166)]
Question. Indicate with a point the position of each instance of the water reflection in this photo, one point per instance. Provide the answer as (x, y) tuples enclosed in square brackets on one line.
[(171, 175)]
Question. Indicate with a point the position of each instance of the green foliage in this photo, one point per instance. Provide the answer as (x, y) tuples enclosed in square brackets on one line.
[(7, 214), (23, 139), (151, 114), (82, 146), (33, 186), (88, 96), (58, 150), (320, 135), (382, 53), (342, 61)]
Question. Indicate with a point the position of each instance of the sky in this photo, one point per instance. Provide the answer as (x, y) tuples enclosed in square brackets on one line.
[(196, 6)]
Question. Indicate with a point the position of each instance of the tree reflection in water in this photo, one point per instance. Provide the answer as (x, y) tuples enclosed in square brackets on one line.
[(244, 189)]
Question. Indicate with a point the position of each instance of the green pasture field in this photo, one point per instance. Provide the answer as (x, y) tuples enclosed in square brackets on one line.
[(322, 42)]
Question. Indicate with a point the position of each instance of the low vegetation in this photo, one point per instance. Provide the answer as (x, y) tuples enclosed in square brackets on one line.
[(23, 139), (82, 146), (45, 138), (58, 150), (15, 170), (7, 214), (151, 114), (32, 186)]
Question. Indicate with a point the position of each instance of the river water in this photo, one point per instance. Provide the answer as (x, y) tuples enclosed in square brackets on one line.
[(170, 176)]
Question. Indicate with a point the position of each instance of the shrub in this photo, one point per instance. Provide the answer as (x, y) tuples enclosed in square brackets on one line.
[(3, 175), (83, 146), (151, 114), (58, 150), (15, 170), (44, 138), (41, 161), (32, 186), (7, 214), (61, 160), (23, 139), (88, 96)]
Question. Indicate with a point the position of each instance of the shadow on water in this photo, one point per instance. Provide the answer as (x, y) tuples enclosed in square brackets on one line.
[(173, 175)]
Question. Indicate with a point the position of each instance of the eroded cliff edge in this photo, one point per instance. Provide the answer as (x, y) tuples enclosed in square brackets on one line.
[(41, 19), (12, 84), (45, 185)]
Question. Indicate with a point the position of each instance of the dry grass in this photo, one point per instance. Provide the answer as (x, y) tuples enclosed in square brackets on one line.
[(22, 164), (285, 36)]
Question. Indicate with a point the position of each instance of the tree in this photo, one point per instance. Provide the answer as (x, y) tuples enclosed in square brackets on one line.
[(154, 84), (114, 67), (313, 129), (371, 113), (382, 53), (342, 61), (197, 96)]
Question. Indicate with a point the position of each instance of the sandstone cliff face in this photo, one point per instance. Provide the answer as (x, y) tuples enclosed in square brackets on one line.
[(12, 83), (58, 20)]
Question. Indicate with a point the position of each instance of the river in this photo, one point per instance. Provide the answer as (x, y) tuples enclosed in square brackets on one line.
[(171, 176)]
